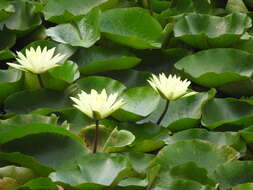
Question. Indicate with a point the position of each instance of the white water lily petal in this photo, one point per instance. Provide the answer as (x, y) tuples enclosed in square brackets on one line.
[(37, 61), (97, 105), (171, 87)]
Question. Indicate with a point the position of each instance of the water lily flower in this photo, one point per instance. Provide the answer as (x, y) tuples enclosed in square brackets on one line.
[(170, 88), (97, 106), (37, 61)]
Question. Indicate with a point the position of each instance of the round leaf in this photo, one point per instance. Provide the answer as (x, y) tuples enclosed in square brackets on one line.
[(128, 26)]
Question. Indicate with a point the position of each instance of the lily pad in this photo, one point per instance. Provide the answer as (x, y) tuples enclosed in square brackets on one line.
[(99, 83), (205, 154), (100, 59), (10, 82), (232, 139), (19, 138), (232, 174), (25, 17), (118, 139), (205, 31), (227, 111), (84, 32), (60, 11), (140, 102), (219, 68), (81, 174), (39, 101), (128, 26)]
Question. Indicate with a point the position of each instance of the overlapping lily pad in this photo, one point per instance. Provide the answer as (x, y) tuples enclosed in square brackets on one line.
[(84, 32), (205, 31), (128, 26), (229, 70), (100, 59), (220, 111)]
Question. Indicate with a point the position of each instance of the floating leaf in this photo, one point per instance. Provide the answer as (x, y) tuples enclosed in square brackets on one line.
[(232, 139), (221, 111), (60, 11), (205, 31), (61, 147), (6, 9), (84, 32), (20, 174), (40, 101), (204, 154), (228, 69), (140, 102), (234, 173), (118, 139), (10, 82), (81, 175), (25, 17), (99, 83), (128, 26), (201, 6), (99, 59)]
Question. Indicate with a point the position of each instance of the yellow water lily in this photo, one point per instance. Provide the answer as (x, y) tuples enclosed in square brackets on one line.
[(171, 87), (37, 61), (97, 105)]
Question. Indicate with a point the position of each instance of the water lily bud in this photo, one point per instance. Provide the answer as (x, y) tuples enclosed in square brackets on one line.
[(97, 106), (37, 61), (170, 88)]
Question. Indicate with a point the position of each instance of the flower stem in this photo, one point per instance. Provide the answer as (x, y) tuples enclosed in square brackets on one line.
[(150, 7), (164, 112), (40, 81), (95, 143)]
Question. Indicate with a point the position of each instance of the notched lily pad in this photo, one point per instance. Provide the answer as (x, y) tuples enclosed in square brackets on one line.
[(220, 68), (205, 31), (84, 32), (227, 111)]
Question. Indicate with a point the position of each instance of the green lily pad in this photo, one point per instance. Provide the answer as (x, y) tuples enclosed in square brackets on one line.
[(60, 77), (42, 101), (220, 68), (99, 83), (232, 139), (118, 139), (30, 118), (60, 11), (25, 17), (183, 113), (7, 40), (184, 171), (148, 137), (84, 32), (6, 54), (205, 154), (227, 111), (10, 82), (140, 102), (20, 174), (205, 31), (39, 184), (100, 59), (80, 175), (6, 9), (128, 26), (234, 173), (59, 142), (200, 6), (246, 186)]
